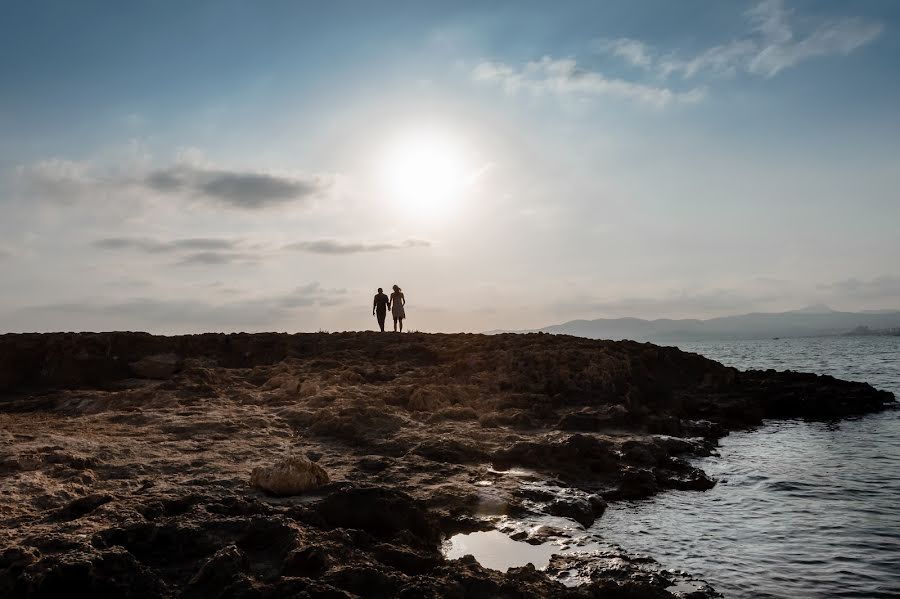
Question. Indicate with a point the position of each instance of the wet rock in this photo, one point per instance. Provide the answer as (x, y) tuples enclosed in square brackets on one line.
[(635, 484), (157, 366), (544, 533), (690, 479), (577, 508), (291, 476)]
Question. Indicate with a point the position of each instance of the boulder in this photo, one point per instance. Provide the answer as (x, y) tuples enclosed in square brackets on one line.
[(584, 510), (291, 476)]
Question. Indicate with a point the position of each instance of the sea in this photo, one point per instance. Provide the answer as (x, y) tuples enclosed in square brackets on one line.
[(801, 509)]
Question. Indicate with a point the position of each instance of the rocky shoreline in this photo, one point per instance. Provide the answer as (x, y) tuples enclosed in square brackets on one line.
[(126, 458)]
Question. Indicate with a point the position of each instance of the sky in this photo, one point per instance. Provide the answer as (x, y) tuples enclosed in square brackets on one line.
[(232, 165)]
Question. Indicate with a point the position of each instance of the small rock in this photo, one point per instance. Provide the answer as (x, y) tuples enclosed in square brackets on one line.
[(292, 476)]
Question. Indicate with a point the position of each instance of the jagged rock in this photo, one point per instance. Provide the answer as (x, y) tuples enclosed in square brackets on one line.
[(82, 506), (291, 476), (308, 561), (157, 366), (226, 565), (636, 484), (579, 509)]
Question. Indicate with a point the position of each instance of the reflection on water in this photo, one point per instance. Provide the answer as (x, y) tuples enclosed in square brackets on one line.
[(801, 509), (497, 551)]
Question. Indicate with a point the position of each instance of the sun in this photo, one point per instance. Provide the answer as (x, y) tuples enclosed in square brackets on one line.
[(424, 172)]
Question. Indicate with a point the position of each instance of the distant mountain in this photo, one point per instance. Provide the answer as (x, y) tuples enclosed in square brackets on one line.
[(807, 322)]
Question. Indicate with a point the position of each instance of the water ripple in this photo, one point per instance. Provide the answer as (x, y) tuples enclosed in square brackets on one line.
[(802, 509)]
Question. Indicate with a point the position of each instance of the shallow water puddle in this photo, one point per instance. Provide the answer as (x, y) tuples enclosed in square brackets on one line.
[(496, 551)]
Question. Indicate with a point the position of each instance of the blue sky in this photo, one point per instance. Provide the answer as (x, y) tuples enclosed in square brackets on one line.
[(176, 166)]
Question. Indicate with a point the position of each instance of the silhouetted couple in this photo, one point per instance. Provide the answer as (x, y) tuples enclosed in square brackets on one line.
[(395, 304)]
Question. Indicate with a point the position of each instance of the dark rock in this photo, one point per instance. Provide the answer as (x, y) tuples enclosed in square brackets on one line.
[(157, 366), (577, 509), (309, 561), (373, 464), (635, 484), (81, 506), (218, 572), (364, 581), (110, 574), (384, 513)]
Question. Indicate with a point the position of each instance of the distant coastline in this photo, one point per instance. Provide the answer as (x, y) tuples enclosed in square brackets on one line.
[(813, 321)]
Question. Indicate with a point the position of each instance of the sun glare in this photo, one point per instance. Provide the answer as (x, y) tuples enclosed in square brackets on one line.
[(424, 173)]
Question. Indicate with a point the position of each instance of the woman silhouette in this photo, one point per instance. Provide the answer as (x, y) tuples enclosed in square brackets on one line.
[(396, 305)]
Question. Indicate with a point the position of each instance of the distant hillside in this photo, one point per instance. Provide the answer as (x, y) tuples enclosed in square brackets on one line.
[(808, 322)]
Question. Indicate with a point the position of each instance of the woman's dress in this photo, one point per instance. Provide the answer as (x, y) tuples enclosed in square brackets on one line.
[(397, 310)]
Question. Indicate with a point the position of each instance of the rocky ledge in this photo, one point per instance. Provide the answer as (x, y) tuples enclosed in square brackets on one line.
[(126, 459)]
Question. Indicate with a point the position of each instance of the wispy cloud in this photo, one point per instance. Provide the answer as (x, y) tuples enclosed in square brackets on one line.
[(59, 180), (564, 76), (332, 246), (67, 181), (775, 41), (191, 314), (885, 287), (154, 246), (218, 258), (249, 190), (632, 51), (194, 251)]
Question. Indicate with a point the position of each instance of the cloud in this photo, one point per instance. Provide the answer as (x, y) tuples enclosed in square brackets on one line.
[(67, 181), (634, 52), (564, 77), (885, 286), (246, 190), (60, 180), (331, 246), (202, 250), (183, 314), (218, 258), (154, 246), (772, 44), (781, 49)]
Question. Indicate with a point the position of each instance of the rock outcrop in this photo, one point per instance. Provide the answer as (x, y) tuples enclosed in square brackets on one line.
[(293, 475), (125, 458)]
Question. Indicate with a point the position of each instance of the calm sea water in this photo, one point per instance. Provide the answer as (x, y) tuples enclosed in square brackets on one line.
[(801, 509)]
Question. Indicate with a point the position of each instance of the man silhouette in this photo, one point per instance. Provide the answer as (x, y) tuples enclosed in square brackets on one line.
[(379, 307)]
